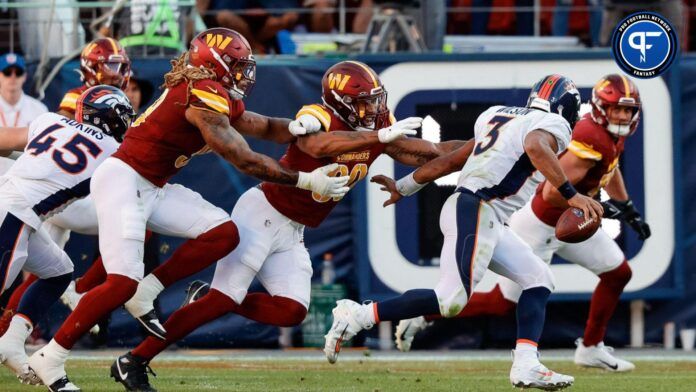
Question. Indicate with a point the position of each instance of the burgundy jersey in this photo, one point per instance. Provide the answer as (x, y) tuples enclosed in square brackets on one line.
[(69, 101), (590, 141), (161, 141), (304, 206)]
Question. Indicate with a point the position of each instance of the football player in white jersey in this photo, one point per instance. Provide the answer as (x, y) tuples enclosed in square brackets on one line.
[(513, 144), (59, 158)]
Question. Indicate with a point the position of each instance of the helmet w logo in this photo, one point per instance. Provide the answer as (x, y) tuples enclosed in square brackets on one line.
[(217, 40), (338, 81)]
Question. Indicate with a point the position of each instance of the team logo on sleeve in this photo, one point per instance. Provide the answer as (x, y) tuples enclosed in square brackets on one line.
[(644, 45)]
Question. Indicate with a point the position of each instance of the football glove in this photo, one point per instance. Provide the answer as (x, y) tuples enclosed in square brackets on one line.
[(323, 181), (400, 129), (626, 211), (303, 125)]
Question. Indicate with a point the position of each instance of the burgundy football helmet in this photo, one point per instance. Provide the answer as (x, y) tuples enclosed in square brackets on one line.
[(615, 90), (228, 54), (354, 92), (104, 61)]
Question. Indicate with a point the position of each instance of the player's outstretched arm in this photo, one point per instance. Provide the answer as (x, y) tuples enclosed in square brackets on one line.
[(417, 152), (13, 138), (262, 127), (226, 141), (541, 147), (575, 169), (328, 144), (430, 171)]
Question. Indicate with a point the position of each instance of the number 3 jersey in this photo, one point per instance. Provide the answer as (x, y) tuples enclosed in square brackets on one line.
[(55, 169), (499, 170), (306, 207)]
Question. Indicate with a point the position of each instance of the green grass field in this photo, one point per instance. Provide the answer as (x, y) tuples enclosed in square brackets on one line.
[(367, 375)]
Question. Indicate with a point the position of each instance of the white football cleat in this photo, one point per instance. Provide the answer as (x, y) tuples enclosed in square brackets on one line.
[(14, 356), (600, 356), (407, 330), (530, 373), (49, 365), (71, 298), (349, 318)]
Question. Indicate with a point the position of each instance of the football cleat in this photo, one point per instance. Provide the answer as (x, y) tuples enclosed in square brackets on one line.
[(71, 298), (15, 358), (49, 367), (600, 356), (152, 325), (195, 290), (132, 371), (349, 318), (530, 373), (63, 385), (141, 305), (407, 330)]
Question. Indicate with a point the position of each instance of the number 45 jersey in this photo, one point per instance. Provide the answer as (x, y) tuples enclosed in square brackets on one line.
[(499, 170), (55, 169)]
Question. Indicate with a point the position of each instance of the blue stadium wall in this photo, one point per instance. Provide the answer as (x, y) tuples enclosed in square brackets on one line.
[(659, 174)]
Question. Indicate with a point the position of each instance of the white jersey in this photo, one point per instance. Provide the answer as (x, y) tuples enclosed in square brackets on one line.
[(55, 168), (498, 170)]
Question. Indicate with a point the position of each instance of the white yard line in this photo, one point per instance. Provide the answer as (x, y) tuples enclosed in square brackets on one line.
[(356, 356)]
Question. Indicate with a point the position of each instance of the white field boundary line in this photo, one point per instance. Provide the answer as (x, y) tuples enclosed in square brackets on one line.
[(374, 358)]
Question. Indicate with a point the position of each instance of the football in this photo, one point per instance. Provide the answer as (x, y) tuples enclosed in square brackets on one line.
[(573, 227)]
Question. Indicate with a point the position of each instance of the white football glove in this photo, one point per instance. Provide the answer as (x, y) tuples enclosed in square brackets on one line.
[(303, 125), (400, 129), (319, 181)]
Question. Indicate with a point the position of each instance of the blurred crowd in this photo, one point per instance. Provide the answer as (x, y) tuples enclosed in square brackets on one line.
[(161, 27)]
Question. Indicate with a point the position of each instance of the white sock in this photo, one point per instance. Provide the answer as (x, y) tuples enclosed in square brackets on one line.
[(19, 330), (56, 350), (526, 351), (150, 287), (148, 290), (370, 310)]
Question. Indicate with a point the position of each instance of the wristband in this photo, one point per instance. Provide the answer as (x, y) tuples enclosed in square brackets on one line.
[(567, 190), (408, 185)]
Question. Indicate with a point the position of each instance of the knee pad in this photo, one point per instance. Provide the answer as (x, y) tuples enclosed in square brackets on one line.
[(451, 301)]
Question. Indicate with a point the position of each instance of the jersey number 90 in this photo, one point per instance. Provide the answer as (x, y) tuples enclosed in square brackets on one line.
[(358, 172)]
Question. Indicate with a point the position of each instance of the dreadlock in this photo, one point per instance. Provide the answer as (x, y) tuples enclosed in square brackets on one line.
[(181, 72)]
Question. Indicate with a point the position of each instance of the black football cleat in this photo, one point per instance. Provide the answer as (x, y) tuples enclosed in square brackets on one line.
[(132, 371), (63, 385), (152, 325), (194, 291)]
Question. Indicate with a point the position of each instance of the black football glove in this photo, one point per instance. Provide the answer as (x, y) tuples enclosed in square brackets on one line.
[(626, 211)]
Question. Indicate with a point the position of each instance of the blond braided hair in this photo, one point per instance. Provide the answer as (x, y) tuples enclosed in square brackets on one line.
[(182, 72)]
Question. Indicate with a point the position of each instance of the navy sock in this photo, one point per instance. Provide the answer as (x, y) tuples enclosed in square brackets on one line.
[(41, 295), (531, 311), (413, 303)]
